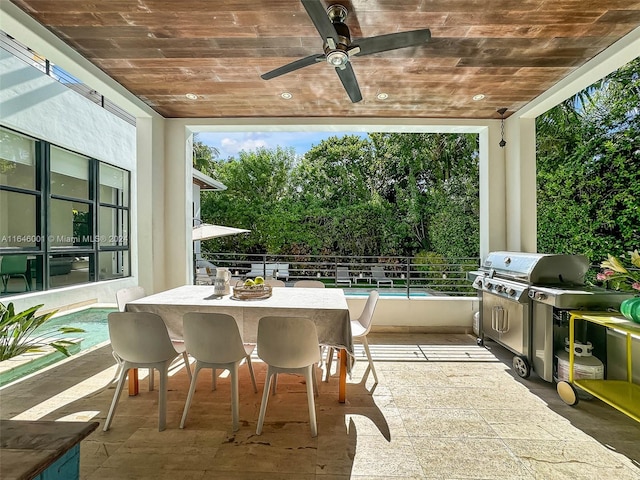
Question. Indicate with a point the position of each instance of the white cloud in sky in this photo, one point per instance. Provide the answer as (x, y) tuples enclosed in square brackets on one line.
[(233, 146)]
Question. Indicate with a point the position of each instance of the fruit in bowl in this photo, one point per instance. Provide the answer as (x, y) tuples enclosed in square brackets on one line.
[(254, 283)]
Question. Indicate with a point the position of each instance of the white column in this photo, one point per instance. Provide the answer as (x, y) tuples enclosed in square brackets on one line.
[(148, 219), (492, 191), (195, 192), (178, 207), (520, 167)]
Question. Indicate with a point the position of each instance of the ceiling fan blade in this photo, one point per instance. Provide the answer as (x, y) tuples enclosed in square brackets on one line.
[(320, 19), (350, 83), (290, 67), (392, 41)]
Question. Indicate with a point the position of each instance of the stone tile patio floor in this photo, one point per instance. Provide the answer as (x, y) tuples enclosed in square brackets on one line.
[(444, 409)]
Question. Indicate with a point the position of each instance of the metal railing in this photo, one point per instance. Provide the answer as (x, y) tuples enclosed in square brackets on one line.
[(412, 276), (35, 60)]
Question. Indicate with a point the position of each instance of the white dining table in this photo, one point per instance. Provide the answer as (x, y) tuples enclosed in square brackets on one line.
[(327, 307)]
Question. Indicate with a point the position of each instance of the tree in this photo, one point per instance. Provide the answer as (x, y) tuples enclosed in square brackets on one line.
[(388, 195), (203, 156), (589, 170), (336, 172), (256, 184), (432, 180)]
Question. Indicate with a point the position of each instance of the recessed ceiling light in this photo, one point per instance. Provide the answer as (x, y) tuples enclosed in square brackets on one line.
[(382, 96), (191, 96), (286, 95), (479, 96)]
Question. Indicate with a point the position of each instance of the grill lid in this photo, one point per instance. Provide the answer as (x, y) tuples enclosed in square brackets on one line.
[(538, 268)]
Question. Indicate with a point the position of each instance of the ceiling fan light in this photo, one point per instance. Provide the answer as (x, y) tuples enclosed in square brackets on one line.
[(337, 59), (191, 96), (382, 96), (479, 96), (286, 95)]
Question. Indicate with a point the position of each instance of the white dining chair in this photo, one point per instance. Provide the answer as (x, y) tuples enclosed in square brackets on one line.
[(214, 340), (141, 340), (309, 284), (123, 296), (272, 282), (360, 328), (288, 345), (126, 295)]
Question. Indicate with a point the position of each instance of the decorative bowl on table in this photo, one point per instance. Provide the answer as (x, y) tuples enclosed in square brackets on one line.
[(242, 291)]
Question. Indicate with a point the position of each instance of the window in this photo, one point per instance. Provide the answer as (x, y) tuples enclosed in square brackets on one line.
[(17, 161), (113, 226), (69, 174), (67, 213)]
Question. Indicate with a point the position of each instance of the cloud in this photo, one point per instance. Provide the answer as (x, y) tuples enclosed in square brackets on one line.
[(232, 146)]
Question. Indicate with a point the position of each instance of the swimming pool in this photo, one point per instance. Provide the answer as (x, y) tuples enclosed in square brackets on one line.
[(92, 320), (386, 294)]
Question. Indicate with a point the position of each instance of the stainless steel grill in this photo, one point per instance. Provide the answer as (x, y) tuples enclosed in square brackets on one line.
[(522, 293)]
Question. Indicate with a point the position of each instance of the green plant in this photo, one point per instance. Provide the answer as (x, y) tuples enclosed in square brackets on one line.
[(620, 276), (18, 333)]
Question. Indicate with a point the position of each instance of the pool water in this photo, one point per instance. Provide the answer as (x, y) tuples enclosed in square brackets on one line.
[(92, 320), (387, 294)]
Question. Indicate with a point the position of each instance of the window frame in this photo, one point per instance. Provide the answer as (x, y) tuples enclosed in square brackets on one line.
[(44, 251)]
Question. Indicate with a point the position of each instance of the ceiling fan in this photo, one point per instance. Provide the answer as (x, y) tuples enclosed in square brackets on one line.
[(338, 47)]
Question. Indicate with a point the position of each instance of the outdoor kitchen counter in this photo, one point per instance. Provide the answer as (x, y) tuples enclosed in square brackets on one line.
[(29, 448)]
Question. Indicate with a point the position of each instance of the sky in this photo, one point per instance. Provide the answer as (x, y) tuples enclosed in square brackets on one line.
[(230, 143)]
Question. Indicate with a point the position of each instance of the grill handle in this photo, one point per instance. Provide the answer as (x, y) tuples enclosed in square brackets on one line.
[(499, 319)]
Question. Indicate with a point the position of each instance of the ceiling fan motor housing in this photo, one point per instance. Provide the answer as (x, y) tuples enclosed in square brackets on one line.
[(337, 55), (337, 13)]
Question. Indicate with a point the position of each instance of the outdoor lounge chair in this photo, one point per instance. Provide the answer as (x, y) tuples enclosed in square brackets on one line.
[(257, 270), (378, 276), (280, 270), (342, 276)]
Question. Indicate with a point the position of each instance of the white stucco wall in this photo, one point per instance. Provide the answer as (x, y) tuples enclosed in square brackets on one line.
[(37, 105), (435, 314)]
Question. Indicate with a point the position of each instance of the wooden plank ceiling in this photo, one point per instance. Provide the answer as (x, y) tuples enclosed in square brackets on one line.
[(510, 51)]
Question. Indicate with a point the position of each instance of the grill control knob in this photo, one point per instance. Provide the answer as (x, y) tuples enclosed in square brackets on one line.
[(511, 292), (540, 296), (477, 283), (488, 284), (499, 288)]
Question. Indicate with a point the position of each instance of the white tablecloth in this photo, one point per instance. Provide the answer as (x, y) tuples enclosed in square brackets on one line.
[(327, 307)]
